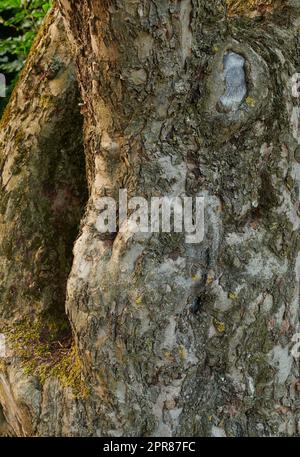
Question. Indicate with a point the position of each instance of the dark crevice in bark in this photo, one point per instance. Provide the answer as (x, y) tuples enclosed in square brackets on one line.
[(64, 188)]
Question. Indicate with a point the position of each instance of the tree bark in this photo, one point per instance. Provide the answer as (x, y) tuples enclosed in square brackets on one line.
[(43, 188), (159, 121)]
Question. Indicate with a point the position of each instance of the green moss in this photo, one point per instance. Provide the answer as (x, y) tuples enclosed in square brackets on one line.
[(45, 350)]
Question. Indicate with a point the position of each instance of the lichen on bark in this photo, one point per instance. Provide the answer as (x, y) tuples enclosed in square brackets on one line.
[(43, 193)]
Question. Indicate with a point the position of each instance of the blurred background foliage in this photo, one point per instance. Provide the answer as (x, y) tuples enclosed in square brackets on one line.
[(19, 23)]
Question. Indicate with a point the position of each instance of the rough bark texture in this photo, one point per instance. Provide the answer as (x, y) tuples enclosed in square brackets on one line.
[(43, 193), (150, 75), (42, 178)]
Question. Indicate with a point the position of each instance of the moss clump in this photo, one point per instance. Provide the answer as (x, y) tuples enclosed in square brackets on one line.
[(46, 350), (252, 7)]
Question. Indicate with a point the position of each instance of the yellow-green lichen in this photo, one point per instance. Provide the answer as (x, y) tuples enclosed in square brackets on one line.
[(45, 350), (219, 325)]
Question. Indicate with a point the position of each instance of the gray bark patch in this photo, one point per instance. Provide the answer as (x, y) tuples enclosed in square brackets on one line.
[(235, 81)]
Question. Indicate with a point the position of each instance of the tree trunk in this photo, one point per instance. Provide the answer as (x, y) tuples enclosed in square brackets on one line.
[(180, 98)]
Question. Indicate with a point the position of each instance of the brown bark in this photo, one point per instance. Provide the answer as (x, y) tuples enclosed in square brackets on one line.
[(42, 178)]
